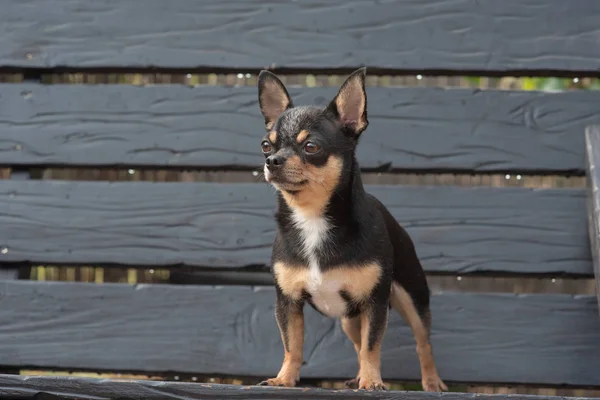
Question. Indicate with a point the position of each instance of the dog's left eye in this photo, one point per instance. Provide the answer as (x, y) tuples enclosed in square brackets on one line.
[(311, 147)]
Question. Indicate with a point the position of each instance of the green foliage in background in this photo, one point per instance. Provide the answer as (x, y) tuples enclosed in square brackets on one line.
[(557, 84), (551, 84)]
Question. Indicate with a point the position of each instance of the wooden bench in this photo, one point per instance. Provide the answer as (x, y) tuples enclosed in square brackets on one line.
[(217, 236)]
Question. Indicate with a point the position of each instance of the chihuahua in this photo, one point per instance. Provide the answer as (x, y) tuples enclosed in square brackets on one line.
[(337, 247)]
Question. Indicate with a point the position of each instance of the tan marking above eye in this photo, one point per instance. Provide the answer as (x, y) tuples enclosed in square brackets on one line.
[(302, 136), (273, 136)]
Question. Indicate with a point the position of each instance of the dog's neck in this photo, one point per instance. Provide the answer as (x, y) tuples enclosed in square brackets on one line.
[(331, 204)]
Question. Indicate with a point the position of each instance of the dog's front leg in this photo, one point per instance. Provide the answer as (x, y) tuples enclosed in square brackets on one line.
[(373, 323), (290, 319)]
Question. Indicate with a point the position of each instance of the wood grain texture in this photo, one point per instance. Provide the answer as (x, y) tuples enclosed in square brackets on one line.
[(178, 126), (455, 229), (400, 34), (592, 136), (75, 388), (493, 338)]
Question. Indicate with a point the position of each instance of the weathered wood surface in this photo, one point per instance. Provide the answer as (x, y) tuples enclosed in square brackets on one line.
[(455, 229), (401, 34), (75, 388), (9, 273), (176, 126), (592, 136), (544, 339)]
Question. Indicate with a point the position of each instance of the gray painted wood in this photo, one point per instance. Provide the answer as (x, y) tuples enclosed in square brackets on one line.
[(75, 388), (12, 271), (455, 229), (178, 126), (401, 34), (592, 136), (9, 273), (545, 339)]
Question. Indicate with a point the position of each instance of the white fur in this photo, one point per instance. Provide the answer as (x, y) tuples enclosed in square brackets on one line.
[(325, 294)]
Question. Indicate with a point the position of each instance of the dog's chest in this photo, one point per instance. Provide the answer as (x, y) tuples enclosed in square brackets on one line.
[(324, 289)]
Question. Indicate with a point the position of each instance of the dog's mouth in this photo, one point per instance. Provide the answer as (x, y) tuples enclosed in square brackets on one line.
[(285, 183), (288, 184)]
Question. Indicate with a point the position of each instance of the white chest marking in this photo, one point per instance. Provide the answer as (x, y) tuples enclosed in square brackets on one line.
[(325, 294)]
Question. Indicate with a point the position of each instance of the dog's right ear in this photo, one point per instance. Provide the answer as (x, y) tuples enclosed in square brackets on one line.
[(273, 97)]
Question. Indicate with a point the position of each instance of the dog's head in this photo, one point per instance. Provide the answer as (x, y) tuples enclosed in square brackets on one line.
[(306, 147)]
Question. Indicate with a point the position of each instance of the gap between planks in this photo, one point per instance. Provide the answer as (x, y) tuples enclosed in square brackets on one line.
[(437, 283), (384, 178), (312, 79)]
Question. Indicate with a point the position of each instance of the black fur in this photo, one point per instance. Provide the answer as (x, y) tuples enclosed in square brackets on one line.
[(362, 229)]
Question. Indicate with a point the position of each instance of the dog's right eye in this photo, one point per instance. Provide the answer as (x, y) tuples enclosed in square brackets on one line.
[(266, 146), (311, 148)]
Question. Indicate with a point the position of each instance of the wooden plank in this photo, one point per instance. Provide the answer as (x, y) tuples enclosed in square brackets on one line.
[(13, 271), (455, 229), (75, 388), (402, 34), (9, 273), (592, 136), (545, 339), (421, 129)]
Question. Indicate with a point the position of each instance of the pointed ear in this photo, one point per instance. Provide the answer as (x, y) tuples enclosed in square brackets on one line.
[(272, 97), (350, 104)]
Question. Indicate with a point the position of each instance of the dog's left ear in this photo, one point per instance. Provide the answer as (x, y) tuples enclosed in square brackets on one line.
[(350, 104), (273, 97)]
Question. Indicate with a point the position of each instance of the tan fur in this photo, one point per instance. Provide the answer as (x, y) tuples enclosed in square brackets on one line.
[(269, 125), (289, 373), (358, 282), (402, 302), (351, 327), (273, 102), (369, 374), (302, 136), (273, 136), (294, 167), (344, 97), (312, 198)]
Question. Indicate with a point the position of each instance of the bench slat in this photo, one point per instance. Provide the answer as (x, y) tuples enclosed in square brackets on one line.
[(456, 229), (545, 339), (424, 129), (9, 273), (408, 35), (592, 135), (71, 388)]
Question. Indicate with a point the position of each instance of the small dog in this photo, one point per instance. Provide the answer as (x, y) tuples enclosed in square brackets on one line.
[(337, 247)]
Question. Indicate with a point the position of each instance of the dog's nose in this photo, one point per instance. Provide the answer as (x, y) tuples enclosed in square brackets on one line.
[(274, 162)]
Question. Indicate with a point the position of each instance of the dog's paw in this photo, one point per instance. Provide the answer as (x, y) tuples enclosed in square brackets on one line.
[(433, 384), (278, 382), (367, 383), (352, 383)]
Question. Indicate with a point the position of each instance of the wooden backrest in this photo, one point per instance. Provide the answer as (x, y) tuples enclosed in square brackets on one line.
[(224, 231)]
